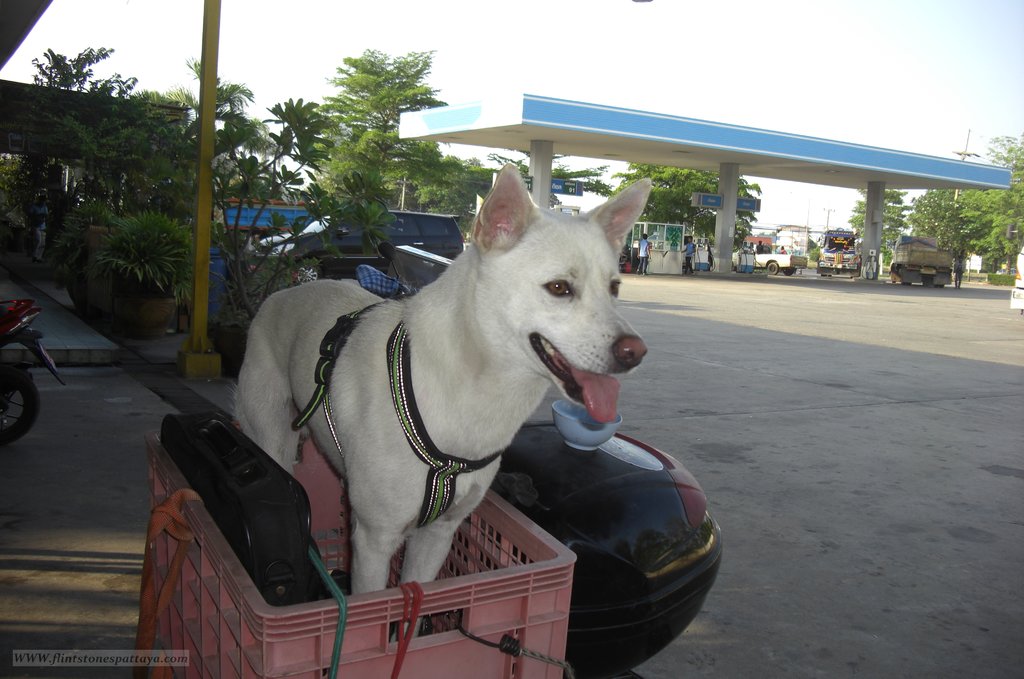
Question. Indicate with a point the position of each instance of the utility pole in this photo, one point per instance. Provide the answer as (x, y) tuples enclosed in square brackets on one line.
[(964, 155)]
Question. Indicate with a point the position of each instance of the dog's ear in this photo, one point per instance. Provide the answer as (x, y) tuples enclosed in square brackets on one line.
[(505, 213), (618, 215)]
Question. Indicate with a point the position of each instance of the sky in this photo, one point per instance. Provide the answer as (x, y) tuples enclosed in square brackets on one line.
[(908, 75)]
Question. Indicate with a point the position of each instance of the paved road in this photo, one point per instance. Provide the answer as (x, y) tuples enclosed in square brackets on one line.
[(862, 446)]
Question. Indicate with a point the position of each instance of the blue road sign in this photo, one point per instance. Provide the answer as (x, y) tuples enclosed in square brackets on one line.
[(748, 204), (569, 187), (713, 200)]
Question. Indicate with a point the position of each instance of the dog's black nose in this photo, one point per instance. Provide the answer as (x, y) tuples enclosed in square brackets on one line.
[(629, 350)]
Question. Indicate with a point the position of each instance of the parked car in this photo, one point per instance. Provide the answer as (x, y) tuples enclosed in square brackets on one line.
[(436, 233)]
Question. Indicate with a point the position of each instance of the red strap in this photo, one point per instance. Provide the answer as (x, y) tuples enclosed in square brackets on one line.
[(412, 598), (165, 516)]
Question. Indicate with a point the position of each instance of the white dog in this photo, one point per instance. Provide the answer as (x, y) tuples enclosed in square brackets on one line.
[(428, 390)]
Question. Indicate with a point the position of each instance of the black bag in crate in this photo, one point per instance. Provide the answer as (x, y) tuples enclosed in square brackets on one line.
[(262, 511)]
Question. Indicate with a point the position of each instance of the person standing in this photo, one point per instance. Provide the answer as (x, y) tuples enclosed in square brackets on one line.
[(37, 214), (958, 270), (644, 251), (689, 249)]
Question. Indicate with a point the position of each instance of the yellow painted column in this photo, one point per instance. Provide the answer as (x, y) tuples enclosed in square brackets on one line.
[(197, 358)]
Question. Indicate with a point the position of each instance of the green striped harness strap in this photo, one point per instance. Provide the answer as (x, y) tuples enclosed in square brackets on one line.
[(442, 469), (330, 348)]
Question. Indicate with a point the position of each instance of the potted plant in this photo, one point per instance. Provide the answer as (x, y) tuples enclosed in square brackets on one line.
[(148, 259), (69, 252)]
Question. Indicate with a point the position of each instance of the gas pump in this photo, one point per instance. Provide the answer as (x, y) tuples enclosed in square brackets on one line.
[(746, 261), (702, 257), (871, 266)]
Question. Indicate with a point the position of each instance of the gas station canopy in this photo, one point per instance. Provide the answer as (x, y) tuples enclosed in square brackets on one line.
[(606, 132), (543, 127)]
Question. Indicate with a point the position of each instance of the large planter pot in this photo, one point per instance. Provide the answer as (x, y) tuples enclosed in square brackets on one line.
[(140, 316), (99, 287)]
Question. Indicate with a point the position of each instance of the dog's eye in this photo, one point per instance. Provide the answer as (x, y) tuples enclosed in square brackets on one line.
[(614, 288), (559, 288)]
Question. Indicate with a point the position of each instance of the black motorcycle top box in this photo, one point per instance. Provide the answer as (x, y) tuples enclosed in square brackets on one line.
[(647, 550)]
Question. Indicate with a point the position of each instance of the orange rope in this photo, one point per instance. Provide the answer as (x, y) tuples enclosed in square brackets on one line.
[(167, 516)]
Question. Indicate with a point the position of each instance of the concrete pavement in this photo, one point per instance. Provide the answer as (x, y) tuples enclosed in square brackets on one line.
[(860, 444)]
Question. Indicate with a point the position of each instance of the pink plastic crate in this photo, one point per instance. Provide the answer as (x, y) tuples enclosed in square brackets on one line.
[(504, 575)]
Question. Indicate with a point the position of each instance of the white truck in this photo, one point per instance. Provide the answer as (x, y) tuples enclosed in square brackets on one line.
[(774, 262)]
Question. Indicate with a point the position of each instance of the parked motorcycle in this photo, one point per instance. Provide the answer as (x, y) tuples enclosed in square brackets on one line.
[(19, 397)]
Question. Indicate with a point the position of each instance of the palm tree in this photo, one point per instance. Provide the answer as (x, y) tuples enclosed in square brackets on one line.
[(232, 98)]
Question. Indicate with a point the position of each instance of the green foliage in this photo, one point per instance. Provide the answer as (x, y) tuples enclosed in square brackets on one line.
[(20, 179), (91, 214), (365, 207), (1000, 214), (940, 213), (454, 191), (813, 250), (374, 90), (989, 223), (148, 252), (126, 152), (76, 74), (232, 99), (68, 251), (260, 162), (894, 217), (1004, 279), (669, 202), (257, 163)]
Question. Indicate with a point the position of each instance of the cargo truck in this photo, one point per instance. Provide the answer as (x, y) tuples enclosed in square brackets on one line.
[(918, 259), (839, 255)]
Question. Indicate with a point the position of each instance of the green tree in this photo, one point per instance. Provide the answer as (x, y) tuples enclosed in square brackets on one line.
[(940, 213), (669, 202), (999, 214), (454, 191), (983, 222), (255, 164), (75, 74), (894, 217), (374, 90), (232, 99), (813, 250), (119, 146)]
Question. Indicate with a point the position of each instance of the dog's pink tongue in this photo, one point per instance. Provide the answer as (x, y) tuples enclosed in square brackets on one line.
[(600, 394)]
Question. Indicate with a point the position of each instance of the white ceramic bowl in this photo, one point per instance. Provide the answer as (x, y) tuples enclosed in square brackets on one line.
[(579, 429)]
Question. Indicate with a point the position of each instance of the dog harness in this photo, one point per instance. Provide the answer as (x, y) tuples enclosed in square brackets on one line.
[(442, 469), (330, 348)]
